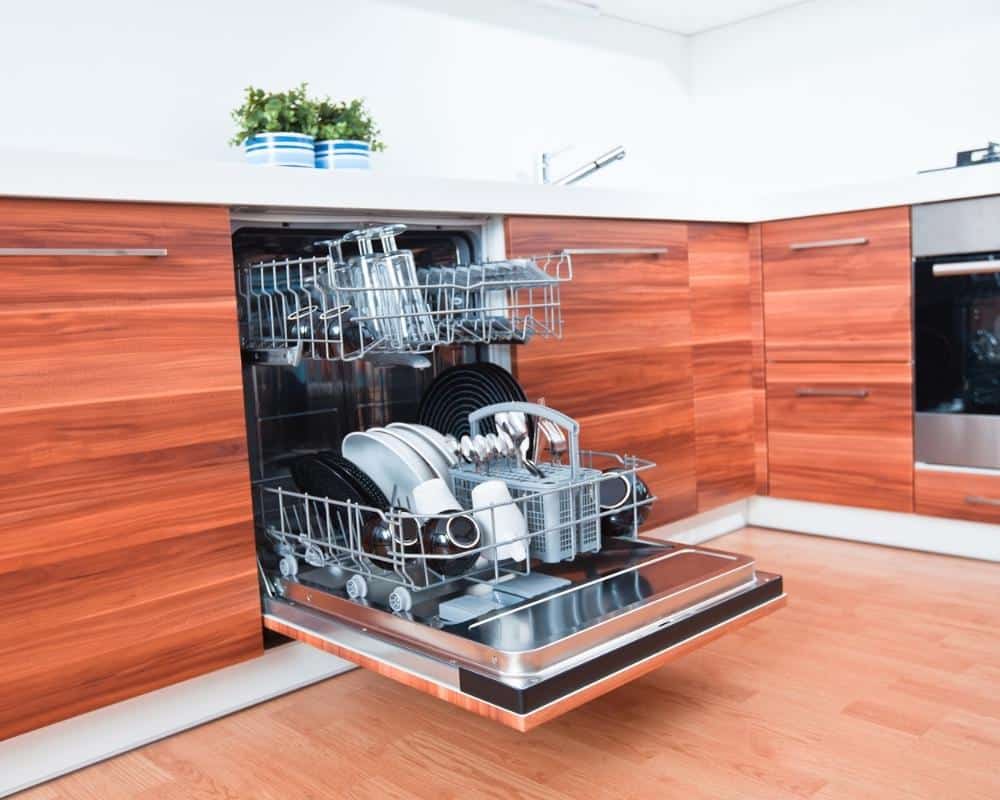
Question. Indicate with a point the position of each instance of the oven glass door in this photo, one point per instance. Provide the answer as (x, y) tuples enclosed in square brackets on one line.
[(957, 344), (958, 334)]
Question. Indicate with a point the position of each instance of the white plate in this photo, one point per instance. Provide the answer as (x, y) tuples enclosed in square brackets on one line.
[(435, 438), (392, 464), (435, 460)]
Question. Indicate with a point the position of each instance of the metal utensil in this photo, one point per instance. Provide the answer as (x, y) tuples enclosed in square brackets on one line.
[(481, 448), (555, 440), (494, 445), (505, 443), (515, 424), (453, 445)]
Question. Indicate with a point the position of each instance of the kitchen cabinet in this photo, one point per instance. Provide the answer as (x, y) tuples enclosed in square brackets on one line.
[(841, 433), (721, 322), (973, 495), (126, 552), (623, 368), (838, 287)]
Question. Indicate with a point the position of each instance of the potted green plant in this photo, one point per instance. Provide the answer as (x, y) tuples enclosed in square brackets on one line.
[(346, 135), (276, 128)]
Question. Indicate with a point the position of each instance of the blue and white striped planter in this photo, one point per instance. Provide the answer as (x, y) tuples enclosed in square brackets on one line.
[(343, 154), (281, 149)]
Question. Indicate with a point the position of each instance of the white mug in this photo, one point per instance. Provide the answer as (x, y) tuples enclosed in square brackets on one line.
[(502, 523), (433, 497)]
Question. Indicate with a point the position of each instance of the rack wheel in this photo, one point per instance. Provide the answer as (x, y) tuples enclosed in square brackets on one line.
[(314, 556), (288, 567), (400, 599), (357, 587)]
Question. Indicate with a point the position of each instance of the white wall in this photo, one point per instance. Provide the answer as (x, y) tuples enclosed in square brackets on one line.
[(828, 91), (840, 91), (477, 97)]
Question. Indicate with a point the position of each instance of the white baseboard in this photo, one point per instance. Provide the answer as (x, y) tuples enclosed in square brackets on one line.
[(932, 534), (54, 750), (702, 527)]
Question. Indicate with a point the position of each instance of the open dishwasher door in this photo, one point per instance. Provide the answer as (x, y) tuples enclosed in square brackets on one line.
[(551, 641)]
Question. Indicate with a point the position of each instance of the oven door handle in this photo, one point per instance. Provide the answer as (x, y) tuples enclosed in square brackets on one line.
[(955, 268)]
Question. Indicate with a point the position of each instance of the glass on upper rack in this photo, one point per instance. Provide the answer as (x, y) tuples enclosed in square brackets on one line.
[(338, 307)]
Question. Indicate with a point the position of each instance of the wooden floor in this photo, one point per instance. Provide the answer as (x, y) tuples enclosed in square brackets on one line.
[(881, 679)]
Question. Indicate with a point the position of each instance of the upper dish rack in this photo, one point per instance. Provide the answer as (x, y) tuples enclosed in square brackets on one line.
[(334, 308)]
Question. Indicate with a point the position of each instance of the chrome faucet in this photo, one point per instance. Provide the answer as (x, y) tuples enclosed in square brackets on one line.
[(581, 172)]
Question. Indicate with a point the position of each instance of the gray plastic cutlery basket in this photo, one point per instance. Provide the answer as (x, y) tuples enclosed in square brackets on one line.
[(561, 509)]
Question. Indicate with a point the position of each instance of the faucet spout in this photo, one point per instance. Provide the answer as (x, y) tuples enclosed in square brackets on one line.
[(581, 172)]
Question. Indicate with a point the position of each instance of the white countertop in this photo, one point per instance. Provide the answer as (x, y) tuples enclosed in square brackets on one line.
[(46, 175)]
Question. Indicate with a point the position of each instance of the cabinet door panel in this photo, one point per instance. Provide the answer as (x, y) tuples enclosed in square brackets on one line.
[(126, 554), (837, 287), (623, 366), (974, 496), (719, 262), (841, 433)]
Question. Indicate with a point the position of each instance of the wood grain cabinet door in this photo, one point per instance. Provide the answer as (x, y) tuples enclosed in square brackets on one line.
[(721, 322), (971, 495), (838, 287), (623, 368), (126, 541), (841, 433)]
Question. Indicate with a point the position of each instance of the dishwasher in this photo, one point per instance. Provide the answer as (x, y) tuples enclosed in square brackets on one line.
[(531, 589)]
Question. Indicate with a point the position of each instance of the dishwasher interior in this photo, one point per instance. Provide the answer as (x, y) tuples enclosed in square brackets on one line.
[(517, 620)]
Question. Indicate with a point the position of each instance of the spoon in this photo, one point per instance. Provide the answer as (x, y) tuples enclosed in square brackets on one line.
[(493, 442), (516, 427), (505, 444), (467, 450), (481, 449)]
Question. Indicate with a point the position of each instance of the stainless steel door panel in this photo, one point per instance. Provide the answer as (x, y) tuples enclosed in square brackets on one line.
[(531, 699), (539, 636), (956, 226), (966, 440)]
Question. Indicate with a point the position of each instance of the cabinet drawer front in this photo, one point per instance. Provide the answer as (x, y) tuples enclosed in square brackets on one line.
[(838, 287), (841, 433), (974, 496), (71, 262)]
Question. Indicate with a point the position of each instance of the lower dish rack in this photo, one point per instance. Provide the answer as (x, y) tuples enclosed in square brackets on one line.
[(384, 553), (318, 532)]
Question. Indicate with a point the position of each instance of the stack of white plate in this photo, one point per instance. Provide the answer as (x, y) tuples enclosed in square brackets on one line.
[(400, 457)]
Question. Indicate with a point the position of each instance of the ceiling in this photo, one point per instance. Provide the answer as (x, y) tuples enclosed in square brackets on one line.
[(678, 16)]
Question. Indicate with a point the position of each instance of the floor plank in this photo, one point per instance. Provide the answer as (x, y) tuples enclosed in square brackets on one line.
[(879, 680)]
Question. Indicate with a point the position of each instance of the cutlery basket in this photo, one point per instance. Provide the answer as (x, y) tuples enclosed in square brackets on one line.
[(560, 509)]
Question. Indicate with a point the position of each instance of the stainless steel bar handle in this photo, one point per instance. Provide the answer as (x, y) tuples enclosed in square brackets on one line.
[(978, 500), (965, 268), (143, 252), (827, 243), (615, 251), (861, 394)]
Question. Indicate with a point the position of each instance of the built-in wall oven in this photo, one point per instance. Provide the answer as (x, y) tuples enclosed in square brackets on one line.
[(956, 252)]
